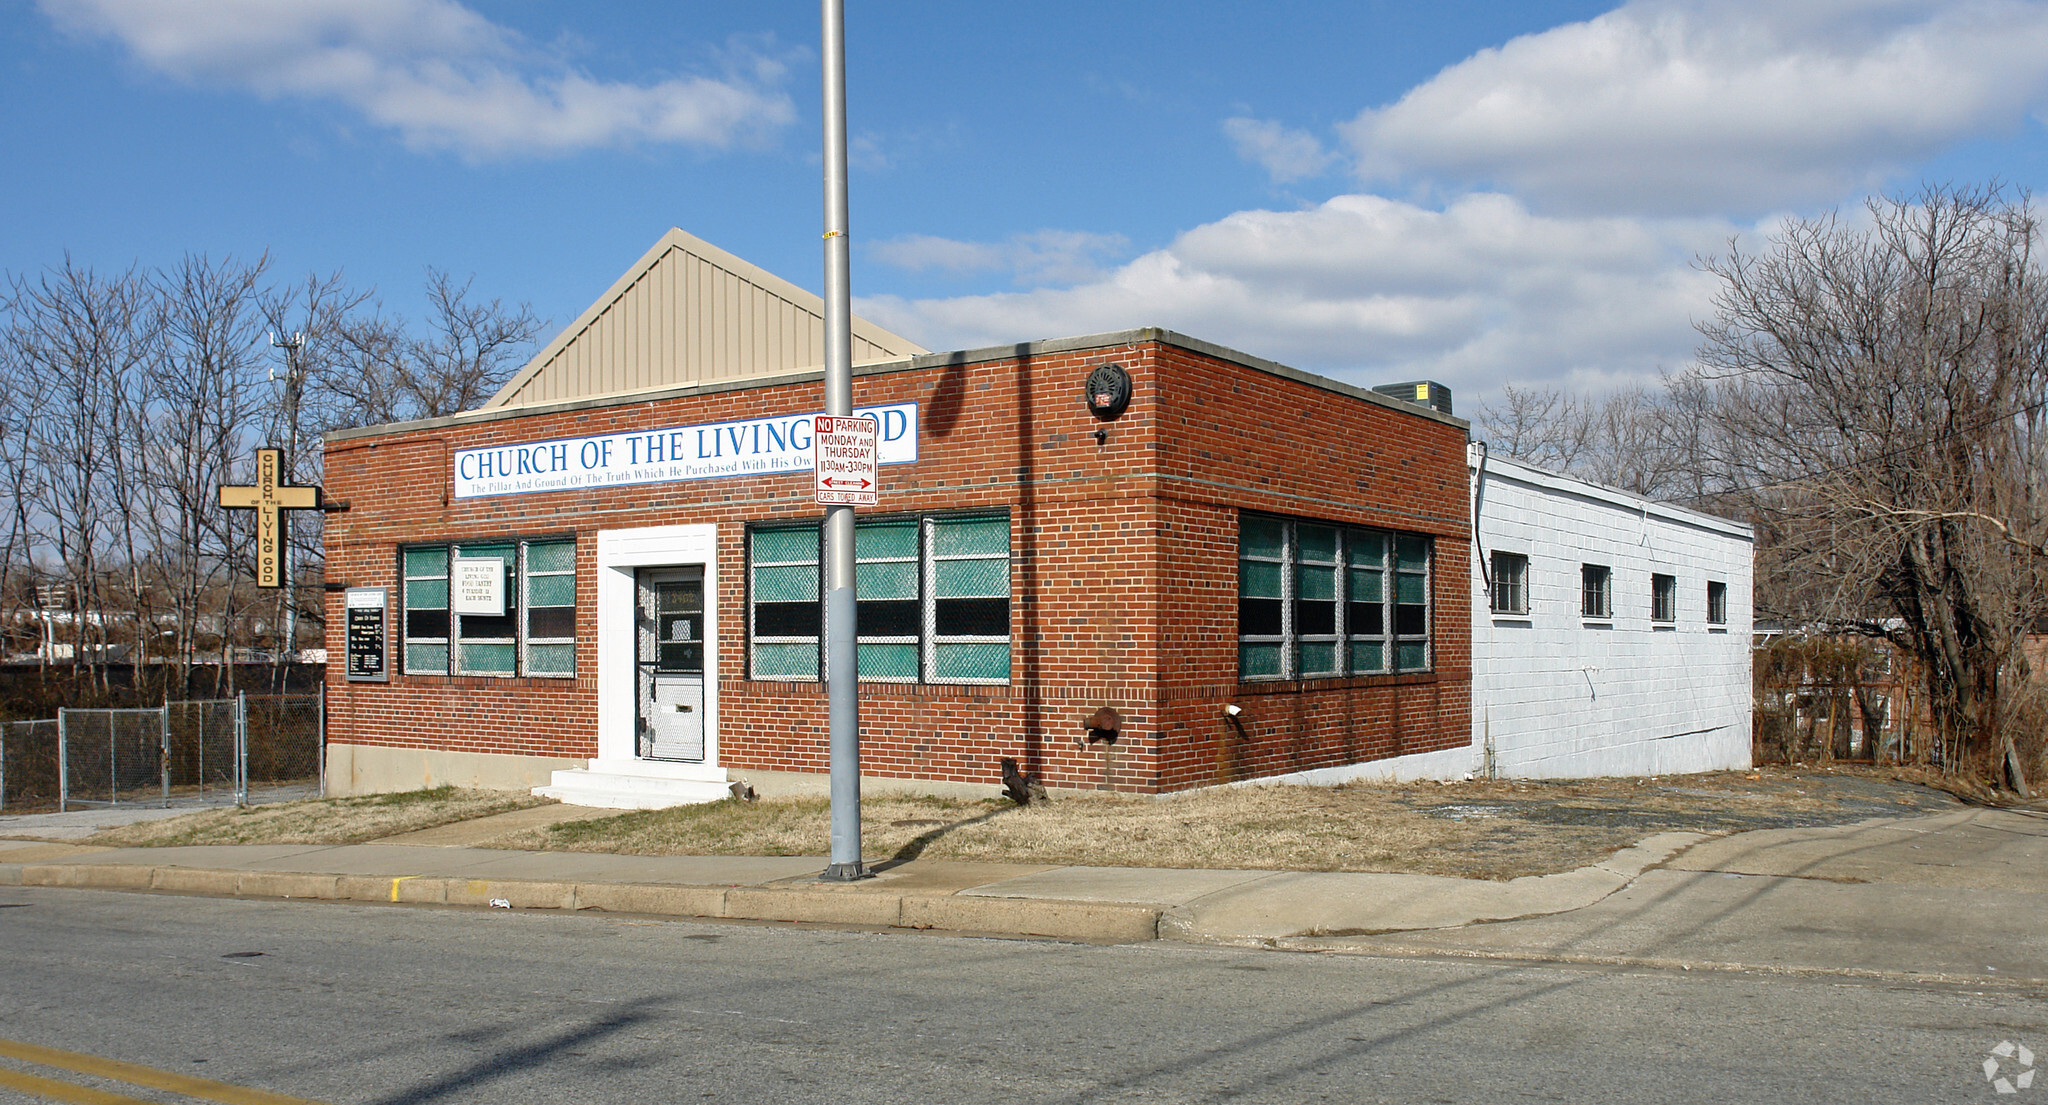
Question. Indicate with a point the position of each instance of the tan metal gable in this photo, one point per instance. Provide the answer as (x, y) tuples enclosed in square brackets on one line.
[(688, 312)]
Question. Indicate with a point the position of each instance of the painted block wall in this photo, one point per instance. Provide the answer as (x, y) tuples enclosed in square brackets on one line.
[(1123, 565), (1559, 695)]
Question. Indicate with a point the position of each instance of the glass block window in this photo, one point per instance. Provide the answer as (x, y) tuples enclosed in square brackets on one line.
[(933, 597), (1717, 602), (536, 635), (1596, 598), (1510, 583), (784, 615), (1663, 598), (1317, 600)]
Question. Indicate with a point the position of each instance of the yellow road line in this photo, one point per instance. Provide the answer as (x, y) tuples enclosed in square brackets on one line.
[(132, 1074), (50, 1089)]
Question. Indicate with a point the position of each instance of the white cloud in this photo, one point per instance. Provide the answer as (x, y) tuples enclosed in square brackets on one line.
[(438, 73), (1040, 257), (1371, 290), (1286, 154), (1692, 105)]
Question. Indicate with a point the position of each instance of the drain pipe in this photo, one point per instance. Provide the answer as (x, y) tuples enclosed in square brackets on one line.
[(1478, 493)]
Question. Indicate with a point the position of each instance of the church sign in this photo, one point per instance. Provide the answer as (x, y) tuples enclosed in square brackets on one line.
[(714, 450), (365, 633)]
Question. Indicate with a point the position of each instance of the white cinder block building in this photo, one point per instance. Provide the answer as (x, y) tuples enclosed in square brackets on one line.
[(1610, 633)]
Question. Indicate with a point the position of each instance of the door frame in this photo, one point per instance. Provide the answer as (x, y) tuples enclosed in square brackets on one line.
[(647, 585), (620, 554)]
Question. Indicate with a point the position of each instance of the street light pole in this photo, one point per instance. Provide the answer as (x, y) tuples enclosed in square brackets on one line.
[(842, 689)]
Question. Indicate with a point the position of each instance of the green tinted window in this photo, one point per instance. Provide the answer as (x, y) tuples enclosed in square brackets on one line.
[(1262, 537), (786, 583), (426, 594), (427, 561), (886, 540), (971, 579), (892, 662), (887, 580), (551, 556), (785, 544), (973, 660), (971, 537)]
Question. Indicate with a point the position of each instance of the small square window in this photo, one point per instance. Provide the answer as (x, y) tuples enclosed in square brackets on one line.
[(1663, 598), (1596, 591), (1717, 602), (1510, 583)]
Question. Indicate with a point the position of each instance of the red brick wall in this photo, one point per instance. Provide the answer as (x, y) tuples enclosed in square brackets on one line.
[(1123, 574)]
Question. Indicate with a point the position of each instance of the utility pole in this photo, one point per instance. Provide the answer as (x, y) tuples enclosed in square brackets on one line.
[(842, 688), (294, 380)]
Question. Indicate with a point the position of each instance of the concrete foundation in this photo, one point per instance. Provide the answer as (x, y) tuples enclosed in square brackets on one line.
[(378, 769)]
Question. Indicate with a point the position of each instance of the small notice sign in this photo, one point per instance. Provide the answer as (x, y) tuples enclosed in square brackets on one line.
[(477, 586), (843, 458), (366, 607)]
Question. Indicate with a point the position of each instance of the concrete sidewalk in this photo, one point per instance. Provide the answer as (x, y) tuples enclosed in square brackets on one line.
[(1956, 896), (1952, 893), (437, 867)]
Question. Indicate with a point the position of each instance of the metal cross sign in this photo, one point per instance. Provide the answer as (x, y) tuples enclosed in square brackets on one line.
[(269, 498)]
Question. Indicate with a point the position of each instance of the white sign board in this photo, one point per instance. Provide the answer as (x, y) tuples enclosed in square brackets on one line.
[(844, 459), (476, 585), (714, 450)]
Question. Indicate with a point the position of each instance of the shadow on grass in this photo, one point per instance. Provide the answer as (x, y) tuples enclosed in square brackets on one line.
[(916, 845)]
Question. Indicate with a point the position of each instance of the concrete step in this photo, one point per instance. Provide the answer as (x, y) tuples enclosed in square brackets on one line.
[(612, 791)]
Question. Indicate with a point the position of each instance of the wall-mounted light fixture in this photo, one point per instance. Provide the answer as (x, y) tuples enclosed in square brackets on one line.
[(1108, 391)]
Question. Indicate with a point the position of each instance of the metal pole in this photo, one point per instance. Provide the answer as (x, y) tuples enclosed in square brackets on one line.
[(241, 748), (63, 760), (113, 764), (4, 728), (163, 728), (842, 690), (321, 752)]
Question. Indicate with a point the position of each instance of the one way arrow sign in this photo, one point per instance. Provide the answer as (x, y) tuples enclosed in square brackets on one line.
[(844, 459)]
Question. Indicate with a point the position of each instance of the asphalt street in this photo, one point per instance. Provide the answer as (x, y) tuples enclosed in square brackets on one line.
[(347, 1003)]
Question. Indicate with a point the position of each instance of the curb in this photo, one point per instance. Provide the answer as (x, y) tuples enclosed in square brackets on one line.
[(1054, 918)]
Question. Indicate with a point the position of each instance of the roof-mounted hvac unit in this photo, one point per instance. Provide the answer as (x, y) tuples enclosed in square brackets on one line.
[(1422, 393)]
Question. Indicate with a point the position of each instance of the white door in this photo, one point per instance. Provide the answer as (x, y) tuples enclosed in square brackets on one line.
[(669, 689)]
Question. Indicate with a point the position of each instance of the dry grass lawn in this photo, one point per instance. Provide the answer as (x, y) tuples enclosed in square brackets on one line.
[(321, 820), (1480, 829)]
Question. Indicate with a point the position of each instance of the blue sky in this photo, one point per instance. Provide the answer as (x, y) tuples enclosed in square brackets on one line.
[(1480, 193)]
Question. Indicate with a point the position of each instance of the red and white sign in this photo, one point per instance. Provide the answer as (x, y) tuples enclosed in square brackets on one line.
[(843, 458)]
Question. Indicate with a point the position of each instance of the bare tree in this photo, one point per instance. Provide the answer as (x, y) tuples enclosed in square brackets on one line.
[(1641, 441), (1876, 394), (80, 341), (469, 351), (204, 393)]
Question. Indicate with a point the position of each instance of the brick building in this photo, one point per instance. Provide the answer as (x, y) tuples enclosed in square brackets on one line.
[(605, 581)]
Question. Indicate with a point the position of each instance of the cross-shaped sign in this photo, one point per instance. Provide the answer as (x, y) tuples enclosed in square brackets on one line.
[(269, 498)]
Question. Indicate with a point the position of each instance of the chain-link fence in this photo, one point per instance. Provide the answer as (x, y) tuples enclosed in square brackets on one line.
[(28, 764), (250, 748)]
